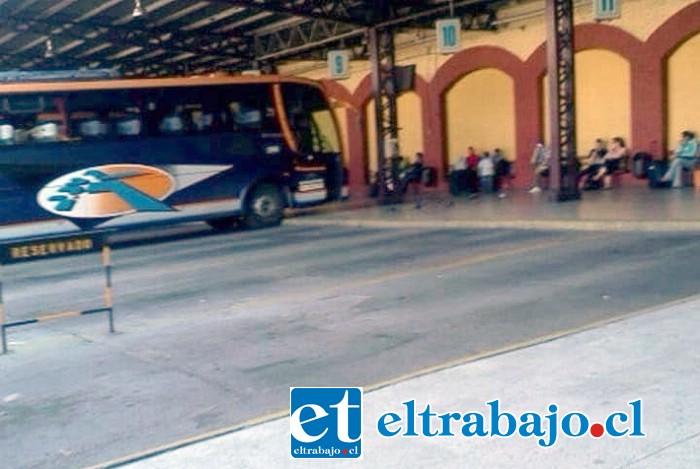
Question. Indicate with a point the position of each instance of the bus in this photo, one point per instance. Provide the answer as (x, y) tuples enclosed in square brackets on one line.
[(82, 152)]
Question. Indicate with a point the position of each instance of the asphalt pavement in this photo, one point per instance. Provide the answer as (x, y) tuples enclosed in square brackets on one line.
[(634, 379)]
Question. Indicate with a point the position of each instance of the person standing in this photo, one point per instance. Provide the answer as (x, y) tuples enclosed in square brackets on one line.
[(472, 173), (502, 167), (540, 167), (458, 176), (486, 170)]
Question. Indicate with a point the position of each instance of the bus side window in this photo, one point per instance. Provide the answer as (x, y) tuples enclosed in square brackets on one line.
[(202, 120), (33, 118), (270, 123), (105, 114), (245, 116), (127, 123), (208, 118), (50, 125), (172, 120)]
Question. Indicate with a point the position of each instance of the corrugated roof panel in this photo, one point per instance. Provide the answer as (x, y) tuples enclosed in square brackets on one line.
[(91, 12)]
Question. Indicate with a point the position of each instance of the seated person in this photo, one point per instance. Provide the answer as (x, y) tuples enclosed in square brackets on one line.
[(172, 122), (683, 158), (412, 173), (413, 176), (613, 160), (596, 162)]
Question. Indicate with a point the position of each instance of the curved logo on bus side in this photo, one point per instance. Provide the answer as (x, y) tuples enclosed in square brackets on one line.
[(108, 191)]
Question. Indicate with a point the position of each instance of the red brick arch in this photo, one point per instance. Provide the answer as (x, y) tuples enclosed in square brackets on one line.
[(647, 70), (680, 27), (660, 45), (459, 65), (586, 36)]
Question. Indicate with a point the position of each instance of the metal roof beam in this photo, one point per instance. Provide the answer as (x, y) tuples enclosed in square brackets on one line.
[(146, 38), (302, 36), (328, 34), (334, 10)]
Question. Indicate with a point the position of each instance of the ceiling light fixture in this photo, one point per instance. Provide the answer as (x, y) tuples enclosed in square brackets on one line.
[(138, 9), (48, 53)]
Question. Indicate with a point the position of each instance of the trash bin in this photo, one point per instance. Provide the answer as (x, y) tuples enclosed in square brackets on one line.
[(640, 164), (429, 176)]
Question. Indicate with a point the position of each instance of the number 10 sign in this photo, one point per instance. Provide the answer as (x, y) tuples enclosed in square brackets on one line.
[(448, 32)]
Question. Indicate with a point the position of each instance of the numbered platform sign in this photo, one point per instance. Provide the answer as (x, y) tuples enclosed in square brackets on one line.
[(448, 35), (606, 9), (339, 64)]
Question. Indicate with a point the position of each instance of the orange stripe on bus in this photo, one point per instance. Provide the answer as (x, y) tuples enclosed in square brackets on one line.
[(283, 118)]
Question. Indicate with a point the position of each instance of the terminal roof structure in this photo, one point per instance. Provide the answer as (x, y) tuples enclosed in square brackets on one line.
[(183, 37)]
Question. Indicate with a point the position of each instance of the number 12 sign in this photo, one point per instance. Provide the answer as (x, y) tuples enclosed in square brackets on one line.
[(448, 35)]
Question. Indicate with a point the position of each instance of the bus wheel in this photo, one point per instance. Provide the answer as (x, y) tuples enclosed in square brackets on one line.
[(264, 208)]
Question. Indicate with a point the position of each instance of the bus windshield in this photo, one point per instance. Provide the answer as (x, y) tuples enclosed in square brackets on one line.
[(311, 119)]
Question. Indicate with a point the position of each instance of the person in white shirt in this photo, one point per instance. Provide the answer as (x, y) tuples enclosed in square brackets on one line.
[(486, 170)]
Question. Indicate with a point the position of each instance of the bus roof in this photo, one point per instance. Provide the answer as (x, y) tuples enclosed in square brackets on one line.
[(53, 86)]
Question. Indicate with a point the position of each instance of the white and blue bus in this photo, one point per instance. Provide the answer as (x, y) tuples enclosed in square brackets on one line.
[(80, 153)]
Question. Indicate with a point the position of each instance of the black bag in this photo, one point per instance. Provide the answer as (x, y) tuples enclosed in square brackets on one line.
[(503, 168), (458, 181), (655, 171)]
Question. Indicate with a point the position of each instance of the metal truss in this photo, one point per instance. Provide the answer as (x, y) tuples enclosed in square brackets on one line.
[(343, 11), (149, 40), (383, 76), (302, 37), (285, 29), (315, 36), (560, 63)]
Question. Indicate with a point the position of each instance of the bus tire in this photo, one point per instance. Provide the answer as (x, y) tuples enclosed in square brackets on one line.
[(264, 208)]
